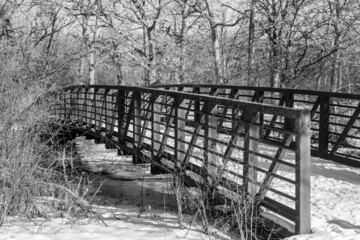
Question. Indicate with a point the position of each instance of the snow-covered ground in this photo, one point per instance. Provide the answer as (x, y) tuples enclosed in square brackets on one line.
[(115, 215), (335, 202), (335, 212), (110, 223)]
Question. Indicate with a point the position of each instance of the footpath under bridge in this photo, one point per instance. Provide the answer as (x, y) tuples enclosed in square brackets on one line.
[(241, 141)]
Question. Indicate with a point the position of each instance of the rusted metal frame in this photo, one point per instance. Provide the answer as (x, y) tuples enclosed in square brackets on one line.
[(198, 126), (78, 104), (210, 135), (63, 103), (117, 107), (129, 113), (169, 122), (122, 124), (166, 102), (346, 129), (226, 108), (302, 174), (196, 90), (109, 111), (289, 123), (155, 127), (103, 120), (266, 132), (315, 107), (84, 109), (324, 126), (67, 109), (239, 126), (251, 160), (71, 116), (221, 101), (88, 107), (179, 135), (136, 125), (269, 89), (268, 179), (279, 208), (97, 104), (148, 114), (93, 107), (188, 110)]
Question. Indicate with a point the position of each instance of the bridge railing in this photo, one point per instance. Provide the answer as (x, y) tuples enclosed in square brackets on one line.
[(193, 134), (335, 117)]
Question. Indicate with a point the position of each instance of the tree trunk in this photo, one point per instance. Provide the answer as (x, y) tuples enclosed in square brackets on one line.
[(250, 62), (146, 69), (92, 65), (82, 69), (119, 74), (219, 75)]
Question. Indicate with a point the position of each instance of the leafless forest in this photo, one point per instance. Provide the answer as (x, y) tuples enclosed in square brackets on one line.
[(293, 44)]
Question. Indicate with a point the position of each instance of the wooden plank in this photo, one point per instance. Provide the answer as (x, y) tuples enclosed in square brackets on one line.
[(346, 130), (302, 175)]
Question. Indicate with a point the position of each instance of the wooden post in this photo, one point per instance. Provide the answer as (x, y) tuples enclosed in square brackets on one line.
[(197, 114), (155, 127), (302, 174), (289, 123), (108, 111), (324, 126), (212, 162), (136, 125), (120, 106), (66, 112), (155, 134), (180, 113), (83, 102), (251, 160), (93, 109)]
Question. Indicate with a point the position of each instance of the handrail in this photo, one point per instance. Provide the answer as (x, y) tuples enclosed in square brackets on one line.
[(335, 116), (214, 141), (265, 89)]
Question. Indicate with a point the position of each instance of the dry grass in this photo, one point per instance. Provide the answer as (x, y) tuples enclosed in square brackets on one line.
[(35, 175)]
